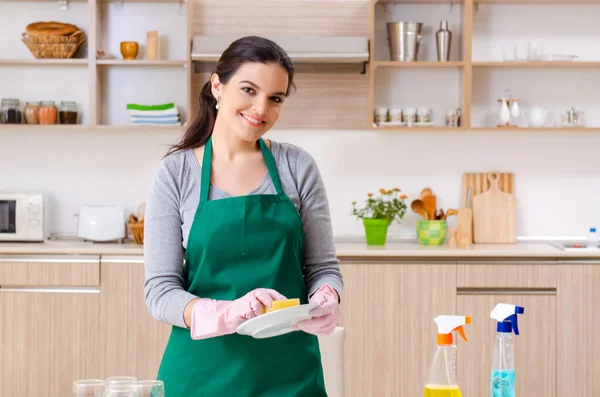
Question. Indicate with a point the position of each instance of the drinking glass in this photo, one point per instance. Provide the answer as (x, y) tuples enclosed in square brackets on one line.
[(151, 388), (88, 388), (122, 390), (121, 380)]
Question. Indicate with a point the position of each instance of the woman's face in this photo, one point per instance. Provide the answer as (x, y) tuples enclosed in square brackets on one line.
[(251, 100)]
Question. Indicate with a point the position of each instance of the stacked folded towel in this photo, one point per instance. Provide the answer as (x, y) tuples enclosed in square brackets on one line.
[(166, 114)]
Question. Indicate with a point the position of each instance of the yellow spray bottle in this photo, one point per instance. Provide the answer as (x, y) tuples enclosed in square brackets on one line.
[(441, 381)]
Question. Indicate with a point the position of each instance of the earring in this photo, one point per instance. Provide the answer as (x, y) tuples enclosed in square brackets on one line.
[(218, 105)]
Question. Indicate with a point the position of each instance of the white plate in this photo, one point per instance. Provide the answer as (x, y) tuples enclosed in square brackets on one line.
[(275, 323)]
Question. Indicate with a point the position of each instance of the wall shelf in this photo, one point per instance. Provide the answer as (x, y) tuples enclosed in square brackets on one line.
[(65, 62), (140, 62), (417, 64), (540, 64)]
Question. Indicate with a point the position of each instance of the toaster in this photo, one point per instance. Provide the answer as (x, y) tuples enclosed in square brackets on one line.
[(101, 223)]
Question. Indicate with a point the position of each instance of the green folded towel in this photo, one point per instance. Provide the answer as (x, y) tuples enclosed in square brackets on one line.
[(135, 106)]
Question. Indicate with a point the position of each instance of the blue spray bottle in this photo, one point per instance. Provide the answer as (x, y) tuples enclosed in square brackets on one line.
[(502, 381)]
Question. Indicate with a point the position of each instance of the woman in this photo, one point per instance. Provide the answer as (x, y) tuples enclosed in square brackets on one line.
[(253, 223)]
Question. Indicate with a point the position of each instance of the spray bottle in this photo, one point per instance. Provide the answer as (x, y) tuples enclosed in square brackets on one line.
[(502, 380), (442, 373)]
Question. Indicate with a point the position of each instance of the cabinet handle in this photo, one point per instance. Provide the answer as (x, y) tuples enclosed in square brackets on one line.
[(54, 290), (506, 291)]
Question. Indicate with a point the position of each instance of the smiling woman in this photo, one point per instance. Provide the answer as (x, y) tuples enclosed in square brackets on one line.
[(250, 219)]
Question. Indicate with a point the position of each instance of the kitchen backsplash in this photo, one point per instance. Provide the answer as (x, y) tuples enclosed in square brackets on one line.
[(557, 173)]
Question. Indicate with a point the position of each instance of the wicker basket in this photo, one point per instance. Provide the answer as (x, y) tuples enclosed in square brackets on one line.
[(137, 229), (54, 46)]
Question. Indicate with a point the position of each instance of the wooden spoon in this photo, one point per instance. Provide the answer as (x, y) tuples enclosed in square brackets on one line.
[(426, 192), (418, 207), (450, 212)]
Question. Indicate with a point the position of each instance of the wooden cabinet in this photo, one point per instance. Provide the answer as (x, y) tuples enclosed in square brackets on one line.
[(529, 284), (578, 329), (388, 312), (132, 342), (49, 317)]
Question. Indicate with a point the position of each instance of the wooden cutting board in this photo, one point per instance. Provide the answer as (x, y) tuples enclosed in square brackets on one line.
[(494, 215), (479, 183)]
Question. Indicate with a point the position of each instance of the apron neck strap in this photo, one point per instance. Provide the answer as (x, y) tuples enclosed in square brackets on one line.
[(207, 163), (271, 167)]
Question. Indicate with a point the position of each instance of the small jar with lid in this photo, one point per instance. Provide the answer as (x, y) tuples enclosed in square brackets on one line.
[(67, 113), (30, 113), (11, 111), (48, 112)]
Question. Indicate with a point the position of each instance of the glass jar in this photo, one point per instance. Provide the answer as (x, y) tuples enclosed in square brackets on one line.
[(67, 114), (11, 111), (48, 112), (30, 113)]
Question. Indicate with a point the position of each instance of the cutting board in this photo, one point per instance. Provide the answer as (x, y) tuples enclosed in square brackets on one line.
[(494, 215), (479, 183)]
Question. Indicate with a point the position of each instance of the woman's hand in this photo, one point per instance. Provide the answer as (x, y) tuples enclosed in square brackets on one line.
[(326, 316)]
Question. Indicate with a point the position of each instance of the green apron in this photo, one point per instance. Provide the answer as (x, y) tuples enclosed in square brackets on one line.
[(235, 245)]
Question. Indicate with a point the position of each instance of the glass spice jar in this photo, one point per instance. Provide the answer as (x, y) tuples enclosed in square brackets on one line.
[(11, 111), (48, 112), (30, 113), (67, 113)]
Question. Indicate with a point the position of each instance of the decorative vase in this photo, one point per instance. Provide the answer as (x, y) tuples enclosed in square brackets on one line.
[(432, 232), (129, 50), (376, 230)]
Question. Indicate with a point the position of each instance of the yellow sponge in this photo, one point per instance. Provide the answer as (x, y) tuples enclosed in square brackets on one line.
[(282, 304)]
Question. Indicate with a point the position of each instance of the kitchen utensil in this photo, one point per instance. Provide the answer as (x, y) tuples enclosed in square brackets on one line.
[(426, 192), (418, 207), (464, 229), (101, 223), (494, 215), (275, 323), (439, 215), (572, 117), (430, 204), (452, 243), (443, 40), (450, 212), (404, 39), (478, 182), (535, 117)]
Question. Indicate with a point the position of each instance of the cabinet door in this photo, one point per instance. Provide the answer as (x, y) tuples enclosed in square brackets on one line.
[(388, 312), (578, 330), (48, 338), (132, 342), (535, 346)]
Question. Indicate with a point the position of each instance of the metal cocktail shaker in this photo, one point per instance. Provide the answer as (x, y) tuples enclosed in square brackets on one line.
[(443, 38)]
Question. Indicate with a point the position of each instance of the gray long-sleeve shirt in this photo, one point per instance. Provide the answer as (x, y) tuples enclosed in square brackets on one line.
[(171, 205)]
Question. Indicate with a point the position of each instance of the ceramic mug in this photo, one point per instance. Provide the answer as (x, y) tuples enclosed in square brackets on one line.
[(423, 115), (409, 115)]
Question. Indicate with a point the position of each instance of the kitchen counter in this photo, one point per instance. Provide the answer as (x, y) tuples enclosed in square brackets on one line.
[(345, 250)]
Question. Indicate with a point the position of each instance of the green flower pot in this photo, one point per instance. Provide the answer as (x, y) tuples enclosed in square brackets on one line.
[(432, 232), (376, 231)]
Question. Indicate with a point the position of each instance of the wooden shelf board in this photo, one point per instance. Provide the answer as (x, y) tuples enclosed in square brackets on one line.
[(537, 64), (46, 61), (439, 128), (417, 64), (419, 1), (143, 1), (141, 62), (535, 128), (537, 1), (44, 127), (129, 127)]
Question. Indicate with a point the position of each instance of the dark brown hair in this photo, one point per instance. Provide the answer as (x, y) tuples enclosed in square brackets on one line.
[(241, 51)]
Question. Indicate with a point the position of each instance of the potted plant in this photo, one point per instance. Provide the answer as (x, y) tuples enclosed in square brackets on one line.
[(379, 212)]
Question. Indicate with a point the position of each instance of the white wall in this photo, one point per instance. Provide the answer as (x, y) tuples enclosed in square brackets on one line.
[(557, 173)]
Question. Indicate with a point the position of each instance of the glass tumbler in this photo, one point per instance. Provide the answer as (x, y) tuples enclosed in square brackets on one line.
[(151, 388), (121, 380), (122, 390), (88, 388)]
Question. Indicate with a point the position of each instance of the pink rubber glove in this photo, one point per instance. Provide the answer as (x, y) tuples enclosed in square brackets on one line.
[(326, 316), (212, 318)]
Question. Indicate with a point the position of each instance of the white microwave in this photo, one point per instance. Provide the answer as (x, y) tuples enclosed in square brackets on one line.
[(21, 217)]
